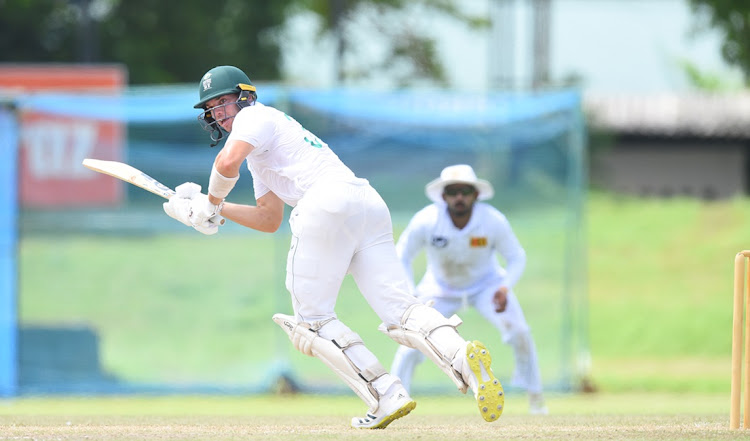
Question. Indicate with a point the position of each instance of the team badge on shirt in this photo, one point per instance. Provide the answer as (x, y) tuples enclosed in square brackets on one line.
[(439, 241), (478, 242)]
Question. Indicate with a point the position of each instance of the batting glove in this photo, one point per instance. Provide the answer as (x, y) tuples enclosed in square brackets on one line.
[(180, 207), (201, 209)]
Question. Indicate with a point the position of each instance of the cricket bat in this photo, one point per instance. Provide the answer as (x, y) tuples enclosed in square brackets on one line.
[(128, 173)]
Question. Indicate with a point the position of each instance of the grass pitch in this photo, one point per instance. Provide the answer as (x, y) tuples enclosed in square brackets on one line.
[(305, 417)]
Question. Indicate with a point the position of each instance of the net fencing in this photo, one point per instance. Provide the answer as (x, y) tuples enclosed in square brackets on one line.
[(113, 296)]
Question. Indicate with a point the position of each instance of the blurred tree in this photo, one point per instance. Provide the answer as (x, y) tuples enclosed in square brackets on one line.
[(37, 31), (159, 42), (167, 42), (707, 80), (409, 55), (732, 17)]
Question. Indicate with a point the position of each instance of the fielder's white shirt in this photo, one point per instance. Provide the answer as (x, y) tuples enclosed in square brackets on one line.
[(287, 159), (463, 260)]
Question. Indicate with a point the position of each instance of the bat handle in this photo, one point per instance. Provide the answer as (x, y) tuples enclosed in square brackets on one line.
[(218, 218)]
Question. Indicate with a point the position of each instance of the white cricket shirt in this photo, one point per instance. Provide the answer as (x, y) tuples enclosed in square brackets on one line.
[(466, 259), (287, 159)]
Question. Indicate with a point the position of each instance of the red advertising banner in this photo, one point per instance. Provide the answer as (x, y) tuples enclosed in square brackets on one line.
[(53, 146), (52, 149), (62, 77)]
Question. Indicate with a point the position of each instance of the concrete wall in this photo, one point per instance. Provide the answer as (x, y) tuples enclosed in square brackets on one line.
[(704, 169)]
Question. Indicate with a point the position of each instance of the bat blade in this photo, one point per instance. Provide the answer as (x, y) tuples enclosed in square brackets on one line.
[(130, 174)]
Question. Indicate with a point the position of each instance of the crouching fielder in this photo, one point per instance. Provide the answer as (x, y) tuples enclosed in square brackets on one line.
[(339, 225), (462, 237)]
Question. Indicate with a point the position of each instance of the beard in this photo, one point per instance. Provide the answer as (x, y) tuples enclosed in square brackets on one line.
[(460, 209)]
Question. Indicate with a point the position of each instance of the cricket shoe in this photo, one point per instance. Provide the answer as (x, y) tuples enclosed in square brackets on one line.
[(390, 408), (487, 389)]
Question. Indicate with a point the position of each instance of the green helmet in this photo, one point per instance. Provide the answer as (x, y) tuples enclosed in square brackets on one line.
[(222, 80)]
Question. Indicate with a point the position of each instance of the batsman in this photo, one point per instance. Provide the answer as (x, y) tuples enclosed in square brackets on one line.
[(340, 225)]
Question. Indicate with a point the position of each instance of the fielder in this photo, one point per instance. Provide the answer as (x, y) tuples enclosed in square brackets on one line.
[(462, 237), (339, 225)]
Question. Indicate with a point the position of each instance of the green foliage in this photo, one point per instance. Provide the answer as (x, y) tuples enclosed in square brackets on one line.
[(706, 81), (732, 18), (162, 43), (409, 56), (159, 42), (37, 30)]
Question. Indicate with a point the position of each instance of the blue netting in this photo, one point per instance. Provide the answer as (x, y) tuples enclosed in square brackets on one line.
[(181, 331)]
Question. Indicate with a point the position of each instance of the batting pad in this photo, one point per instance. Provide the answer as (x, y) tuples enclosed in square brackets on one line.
[(332, 352), (425, 329)]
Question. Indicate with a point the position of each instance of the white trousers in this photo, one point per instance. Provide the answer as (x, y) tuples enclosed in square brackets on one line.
[(339, 228), (511, 323)]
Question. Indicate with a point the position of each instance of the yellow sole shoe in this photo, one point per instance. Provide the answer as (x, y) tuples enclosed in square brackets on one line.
[(489, 394)]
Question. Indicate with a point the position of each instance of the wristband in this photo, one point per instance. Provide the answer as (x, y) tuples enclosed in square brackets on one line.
[(219, 185)]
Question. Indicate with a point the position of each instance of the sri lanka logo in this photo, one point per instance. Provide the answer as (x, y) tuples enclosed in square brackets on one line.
[(478, 241)]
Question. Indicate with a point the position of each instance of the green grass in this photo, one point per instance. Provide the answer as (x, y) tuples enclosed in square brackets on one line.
[(184, 308), (660, 284)]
